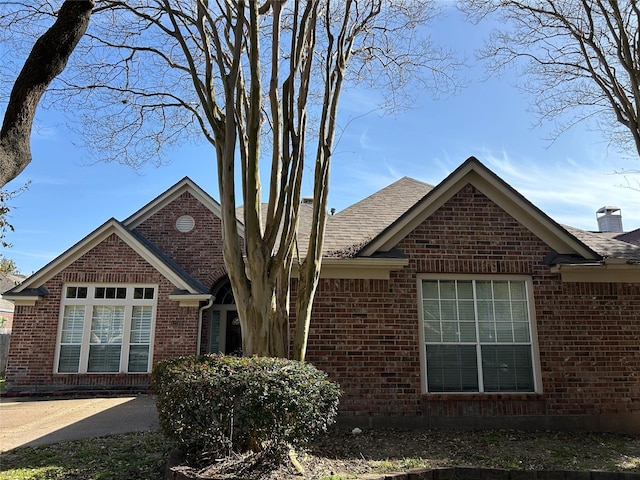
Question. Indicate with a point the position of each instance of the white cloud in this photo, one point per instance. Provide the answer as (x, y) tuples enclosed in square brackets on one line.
[(570, 192)]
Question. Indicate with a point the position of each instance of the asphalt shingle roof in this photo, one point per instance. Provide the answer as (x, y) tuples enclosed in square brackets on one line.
[(607, 244), (349, 230), (356, 225)]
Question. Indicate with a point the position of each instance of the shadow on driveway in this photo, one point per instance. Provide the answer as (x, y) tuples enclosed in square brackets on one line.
[(36, 421)]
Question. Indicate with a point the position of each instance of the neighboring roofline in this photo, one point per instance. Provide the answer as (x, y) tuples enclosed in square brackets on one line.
[(497, 190), (110, 227), (164, 199)]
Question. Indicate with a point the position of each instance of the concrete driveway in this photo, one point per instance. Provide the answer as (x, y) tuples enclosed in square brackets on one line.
[(39, 421)]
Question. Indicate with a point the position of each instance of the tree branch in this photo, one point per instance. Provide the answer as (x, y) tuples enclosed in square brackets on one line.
[(47, 60)]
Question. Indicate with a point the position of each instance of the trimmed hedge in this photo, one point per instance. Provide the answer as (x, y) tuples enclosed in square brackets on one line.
[(219, 405)]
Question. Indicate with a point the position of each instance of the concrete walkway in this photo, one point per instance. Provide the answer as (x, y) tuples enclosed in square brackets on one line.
[(40, 421)]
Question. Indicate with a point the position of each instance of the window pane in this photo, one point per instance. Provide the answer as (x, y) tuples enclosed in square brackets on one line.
[(72, 324), (502, 311), (214, 332), (76, 292), (447, 289), (431, 310), (107, 324), (140, 293), (100, 292), (467, 331), (466, 311), (430, 289), (432, 332), (465, 289), (504, 332), (485, 311), (501, 290), (104, 358), (449, 311), (487, 331), (507, 368), (521, 332), (141, 325), (138, 358), (452, 368), (518, 291), (449, 332), (483, 290), (519, 311), (69, 359)]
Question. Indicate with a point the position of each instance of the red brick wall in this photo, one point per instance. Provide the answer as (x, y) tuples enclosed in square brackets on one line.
[(199, 251), (365, 333), (33, 338)]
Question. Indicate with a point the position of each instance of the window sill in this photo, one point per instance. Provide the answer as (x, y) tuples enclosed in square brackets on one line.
[(482, 396)]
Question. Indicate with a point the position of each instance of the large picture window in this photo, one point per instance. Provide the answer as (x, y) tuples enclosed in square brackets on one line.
[(477, 335), (106, 329)]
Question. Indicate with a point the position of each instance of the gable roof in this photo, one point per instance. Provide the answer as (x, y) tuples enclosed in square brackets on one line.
[(32, 286), (186, 185), (473, 172), (364, 235)]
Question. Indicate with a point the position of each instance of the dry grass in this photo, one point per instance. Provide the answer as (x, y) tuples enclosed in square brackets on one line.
[(339, 455)]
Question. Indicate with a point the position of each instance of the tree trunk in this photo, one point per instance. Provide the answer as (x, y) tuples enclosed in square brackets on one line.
[(47, 59)]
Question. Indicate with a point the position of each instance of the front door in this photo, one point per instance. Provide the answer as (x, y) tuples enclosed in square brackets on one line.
[(233, 340)]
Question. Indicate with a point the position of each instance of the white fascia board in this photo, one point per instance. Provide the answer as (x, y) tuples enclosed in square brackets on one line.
[(190, 300), (604, 272), (358, 268), (23, 300)]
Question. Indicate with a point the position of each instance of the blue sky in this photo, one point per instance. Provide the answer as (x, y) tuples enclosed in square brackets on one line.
[(70, 195)]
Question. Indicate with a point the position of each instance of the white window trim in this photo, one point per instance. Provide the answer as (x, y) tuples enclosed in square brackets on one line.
[(89, 303), (535, 354)]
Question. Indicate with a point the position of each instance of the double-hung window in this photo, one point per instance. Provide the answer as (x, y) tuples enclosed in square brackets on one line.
[(106, 329), (477, 335)]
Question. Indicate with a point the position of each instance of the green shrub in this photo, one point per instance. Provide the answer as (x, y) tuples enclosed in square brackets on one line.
[(220, 405)]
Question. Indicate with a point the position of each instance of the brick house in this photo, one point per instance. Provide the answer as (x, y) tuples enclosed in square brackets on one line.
[(456, 305)]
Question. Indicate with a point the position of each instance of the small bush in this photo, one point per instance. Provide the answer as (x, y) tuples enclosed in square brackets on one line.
[(221, 405)]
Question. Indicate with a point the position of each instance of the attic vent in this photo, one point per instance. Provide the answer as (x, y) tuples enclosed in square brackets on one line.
[(307, 200), (609, 219), (185, 223)]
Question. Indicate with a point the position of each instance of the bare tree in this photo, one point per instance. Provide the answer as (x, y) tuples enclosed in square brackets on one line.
[(579, 56), (47, 59), (257, 82)]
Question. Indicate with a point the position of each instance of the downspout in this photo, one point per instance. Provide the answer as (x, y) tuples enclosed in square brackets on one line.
[(200, 313)]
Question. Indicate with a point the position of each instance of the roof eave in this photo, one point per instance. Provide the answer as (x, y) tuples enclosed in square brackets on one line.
[(609, 270), (187, 299), (359, 268)]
